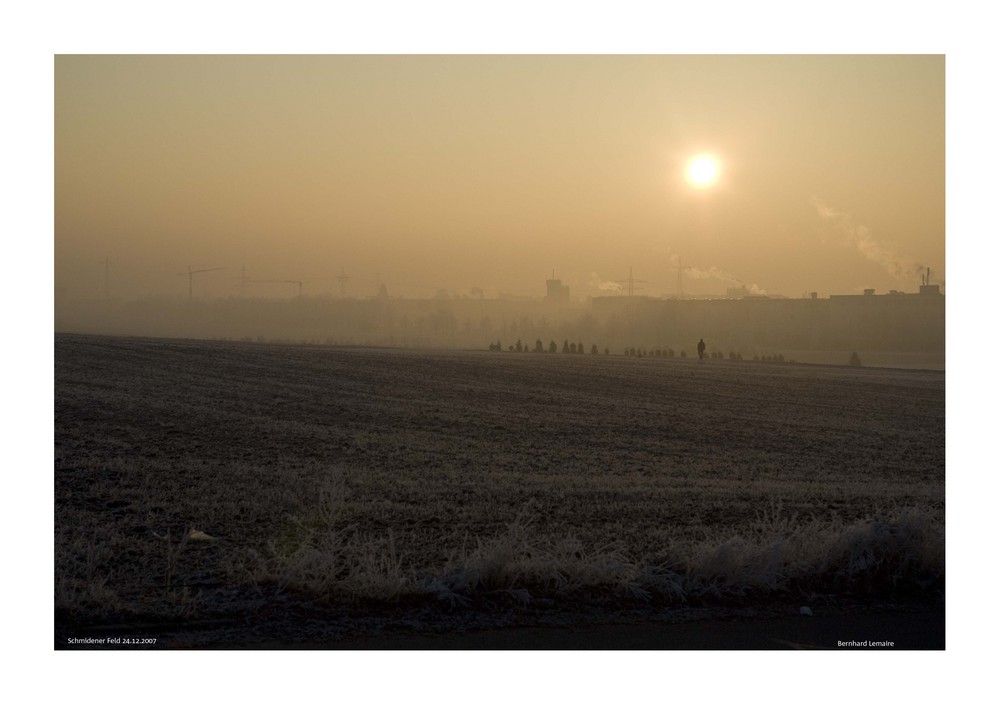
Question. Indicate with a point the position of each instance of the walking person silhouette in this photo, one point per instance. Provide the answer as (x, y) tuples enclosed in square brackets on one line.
[(701, 349)]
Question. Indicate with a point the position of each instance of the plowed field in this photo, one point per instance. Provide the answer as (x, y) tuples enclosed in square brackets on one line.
[(409, 467)]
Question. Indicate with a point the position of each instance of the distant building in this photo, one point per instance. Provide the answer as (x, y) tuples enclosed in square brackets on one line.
[(556, 292), (899, 321)]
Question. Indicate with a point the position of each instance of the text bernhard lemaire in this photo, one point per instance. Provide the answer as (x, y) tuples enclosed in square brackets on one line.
[(865, 644)]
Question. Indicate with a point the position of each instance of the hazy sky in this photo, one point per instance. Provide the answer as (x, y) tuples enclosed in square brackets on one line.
[(454, 172)]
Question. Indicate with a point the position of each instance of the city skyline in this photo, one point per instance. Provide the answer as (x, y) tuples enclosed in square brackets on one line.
[(487, 172)]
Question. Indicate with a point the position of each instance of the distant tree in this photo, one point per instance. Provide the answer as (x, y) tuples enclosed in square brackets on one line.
[(579, 347), (538, 345), (739, 356), (607, 351), (553, 347), (565, 346), (510, 348), (626, 351), (780, 358), (683, 354), (572, 348), (593, 349), (518, 346), (855, 360), (756, 359), (670, 352)]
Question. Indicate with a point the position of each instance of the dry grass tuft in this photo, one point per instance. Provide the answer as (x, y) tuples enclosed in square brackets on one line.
[(776, 555)]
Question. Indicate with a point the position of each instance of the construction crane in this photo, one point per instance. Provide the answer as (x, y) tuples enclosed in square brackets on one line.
[(190, 274)]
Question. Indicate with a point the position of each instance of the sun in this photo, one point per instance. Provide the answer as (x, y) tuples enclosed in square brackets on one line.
[(702, 170)]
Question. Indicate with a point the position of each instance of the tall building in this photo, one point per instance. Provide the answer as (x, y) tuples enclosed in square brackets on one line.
[(556, 293)]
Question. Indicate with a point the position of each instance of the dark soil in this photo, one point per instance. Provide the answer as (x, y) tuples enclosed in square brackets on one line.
[(437, 450)]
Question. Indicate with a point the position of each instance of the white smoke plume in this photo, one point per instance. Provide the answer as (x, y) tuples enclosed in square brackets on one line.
[(840, 228), (603, 285), (716, 273)]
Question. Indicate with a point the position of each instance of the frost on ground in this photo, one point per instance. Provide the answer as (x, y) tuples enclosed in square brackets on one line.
[(372, 477)]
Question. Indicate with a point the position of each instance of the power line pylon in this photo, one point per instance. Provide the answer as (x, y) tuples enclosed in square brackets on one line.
[(343, 278), (680, 282), (631, 282)]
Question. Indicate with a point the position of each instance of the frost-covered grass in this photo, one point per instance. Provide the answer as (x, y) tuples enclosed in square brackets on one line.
[(898, 554), (379, 476)]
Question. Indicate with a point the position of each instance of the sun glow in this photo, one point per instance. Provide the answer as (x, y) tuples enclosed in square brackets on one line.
[(702, 170)]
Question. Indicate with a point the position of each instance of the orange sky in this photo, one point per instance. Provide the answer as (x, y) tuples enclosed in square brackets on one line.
[(454, 172)]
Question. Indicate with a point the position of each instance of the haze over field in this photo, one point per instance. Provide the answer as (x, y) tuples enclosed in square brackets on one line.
[(459, 172)]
